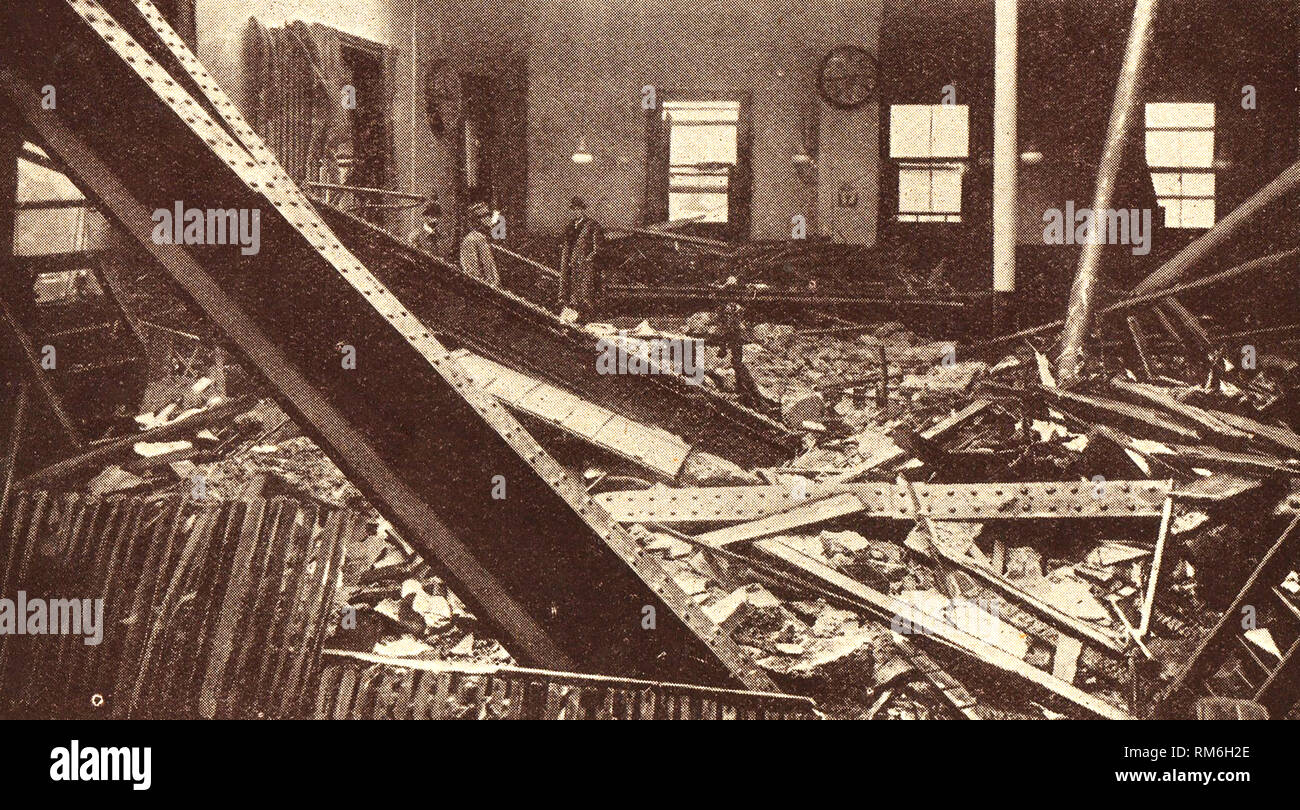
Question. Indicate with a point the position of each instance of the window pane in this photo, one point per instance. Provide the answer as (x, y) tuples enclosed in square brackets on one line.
[(913, 190), (930, 190), (1173, 213), (1198, 213), (1196, 148), (1183, 184), (1167, 184), (58, 230), (688, 145), (1180, 115), (701, 207), (946, 194), (1163, 148), (1198, 184), (909, 130), (950, 136), (929, 131), (38, 184)]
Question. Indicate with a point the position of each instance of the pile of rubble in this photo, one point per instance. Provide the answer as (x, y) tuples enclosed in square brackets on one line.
[(1086, 541), (389, 601), (959, 536)]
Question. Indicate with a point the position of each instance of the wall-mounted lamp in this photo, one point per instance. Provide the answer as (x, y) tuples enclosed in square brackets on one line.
[(581, 155), (805, 165), (1031, 156)]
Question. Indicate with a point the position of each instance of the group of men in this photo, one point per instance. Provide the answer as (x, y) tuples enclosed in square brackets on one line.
[(579, 273), (580, 281)]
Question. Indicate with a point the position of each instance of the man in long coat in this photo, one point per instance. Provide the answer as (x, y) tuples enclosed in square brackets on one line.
[(579, 276), (476, 257)]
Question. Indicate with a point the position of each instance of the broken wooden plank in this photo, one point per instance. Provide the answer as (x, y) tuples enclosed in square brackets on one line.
[(808, 514), (1212, 650), (1140, 342), (1065, 662), (654, 449), (949, 688), (891, 607), (933, 432), (101, 454), (1216, 488), (1248, 462), (1062, 621), (1125, 410), (1200, 416), (1148, 604), (1283, 437)]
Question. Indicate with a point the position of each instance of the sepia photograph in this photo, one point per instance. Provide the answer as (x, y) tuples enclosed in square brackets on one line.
[(650, 360)]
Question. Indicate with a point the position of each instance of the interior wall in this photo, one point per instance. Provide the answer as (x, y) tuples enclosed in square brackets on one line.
[(578, 68), (588, 63), (485, 38), (1203, 50)]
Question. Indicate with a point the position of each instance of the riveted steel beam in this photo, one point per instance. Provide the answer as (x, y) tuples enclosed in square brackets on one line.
[(562, 583)]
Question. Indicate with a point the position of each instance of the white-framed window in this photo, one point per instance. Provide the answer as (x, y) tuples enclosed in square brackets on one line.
[(1180, 154), (930, 144), (703, 147)]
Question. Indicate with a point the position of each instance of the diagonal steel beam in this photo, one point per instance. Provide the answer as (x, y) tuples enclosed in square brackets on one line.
[(546, 566), (1078, 319)]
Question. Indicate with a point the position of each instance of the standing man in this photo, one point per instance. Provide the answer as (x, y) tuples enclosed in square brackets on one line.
[(579, 279), (730, 338), (475, 251), (426, 236)]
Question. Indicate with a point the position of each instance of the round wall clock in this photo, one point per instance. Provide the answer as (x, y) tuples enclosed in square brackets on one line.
[(847, 78)]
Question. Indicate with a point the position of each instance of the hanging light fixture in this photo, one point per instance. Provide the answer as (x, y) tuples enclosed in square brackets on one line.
[(1032, 155), (581, 155)]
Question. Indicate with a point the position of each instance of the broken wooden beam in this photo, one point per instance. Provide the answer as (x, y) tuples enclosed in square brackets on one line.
[(807, 514), (1064, 623), (1148, 416), (1280, 436), (654, 449), (935, 431), (1279, 691), (106, 452), (930, 627), (1158, 396)]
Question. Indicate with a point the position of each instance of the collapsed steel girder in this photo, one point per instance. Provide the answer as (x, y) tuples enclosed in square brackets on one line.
[(141, 126), (518, 333)]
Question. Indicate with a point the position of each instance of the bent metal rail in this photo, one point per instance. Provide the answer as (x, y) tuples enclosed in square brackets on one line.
[(370, 687)]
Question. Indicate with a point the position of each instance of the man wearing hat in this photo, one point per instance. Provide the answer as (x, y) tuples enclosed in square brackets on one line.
[(426, 237), (579, 280), (475, 251)]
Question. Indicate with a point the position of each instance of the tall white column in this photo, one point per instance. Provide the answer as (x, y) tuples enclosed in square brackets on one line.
[(1006, 150)]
